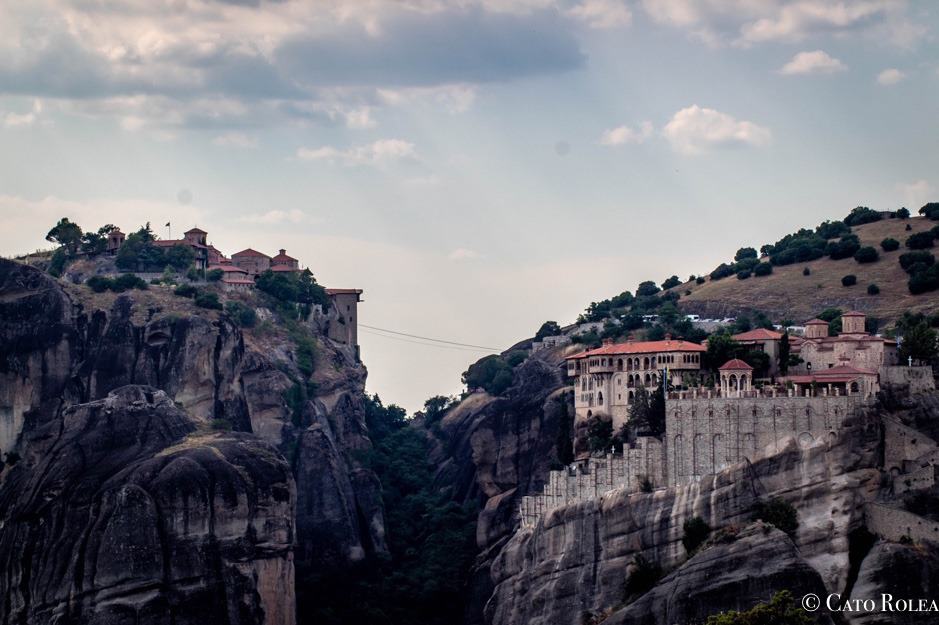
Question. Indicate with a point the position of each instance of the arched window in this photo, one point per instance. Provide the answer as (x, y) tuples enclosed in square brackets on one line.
[(619, 364), (600, 397), (854, 387), (645, 362)]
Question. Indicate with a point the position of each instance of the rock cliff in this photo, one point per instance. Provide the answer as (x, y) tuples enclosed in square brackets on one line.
[(62, 346)]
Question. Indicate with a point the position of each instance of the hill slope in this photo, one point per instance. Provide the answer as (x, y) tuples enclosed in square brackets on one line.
[(787, 293)]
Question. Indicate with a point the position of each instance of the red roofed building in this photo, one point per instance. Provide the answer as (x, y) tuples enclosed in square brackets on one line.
[(194, 238), (282, 262), (854, 347), (252, 261), (763, 340), (841, 380), (606, 378), (736, 377)]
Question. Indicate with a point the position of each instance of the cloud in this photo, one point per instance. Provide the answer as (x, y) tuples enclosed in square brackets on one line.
[(749, 22), (624, 134), (815, 62), (235, 140), (294, 216), (890, 76), (378, 153), (456, 98), (916, 193), (602, 13), (12, 120), (694, 130), (462, 254)]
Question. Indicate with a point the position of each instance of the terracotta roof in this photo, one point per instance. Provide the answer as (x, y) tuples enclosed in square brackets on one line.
[(229, 268), (195, 230), (282, 257), (283, 268), (173, 242), (853, 313), (760, 334), (642, 347), (249, 252), (735, 365), (815, 322)]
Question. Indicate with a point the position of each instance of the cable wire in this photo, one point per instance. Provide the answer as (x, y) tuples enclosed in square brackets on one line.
[(426, 338), (438, 346)]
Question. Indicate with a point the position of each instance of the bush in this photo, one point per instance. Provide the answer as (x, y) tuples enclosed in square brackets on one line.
[(208, 300), (873, 289), (643, 577), (491, 373), (844, 248), (763, 269), (930, 211), (671, 282), (722, 271), (866, 254), (903, 213), (909, 259), (889, 244), (862, 215), (778, 513), (923, 279), (647, 289), (599, 434), (127, 281), (743, 274), (920, 240), (98, 284), (745, 252), (832, 229), (806, 272), (215, 275), (548, 328), (186, 290), (243, 315), (221, 424), (695, 532), (849, 280), (781, 610), (60, 259), (193, 274), (699, 280)]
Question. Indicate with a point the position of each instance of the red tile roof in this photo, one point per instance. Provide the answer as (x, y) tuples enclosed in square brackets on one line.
[(195, 230), (853, 313), (249, 252), (227, 268), (283, 268), (815, 322), (735, 365), (282, 258), (641, 347), (343, 291), (760, 334), (841, 373)]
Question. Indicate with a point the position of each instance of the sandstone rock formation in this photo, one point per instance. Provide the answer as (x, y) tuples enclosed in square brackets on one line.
[(122, 512)]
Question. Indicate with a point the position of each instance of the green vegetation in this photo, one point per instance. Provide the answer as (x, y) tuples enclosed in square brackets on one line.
[(912, 262), (293, 294), (889, 244), (862, 215), (920, 241), (646, 289), (743, 274), (873, 289), (903, 213), (243, 315), (641, 579), (781, 610), (215, 275), (138, 253), (66, 234), (722, 271), (763, 269), (832, 229), (671, 282), (186, 290), (124, 282), (744, 253), (599, 434), (694, 532), (919, 340), (866, 255), (647, 413), (548, 328), (431, 540), (207, 299), (777, 513), (221, 424), (806, 272), (930, 211), (844, 248), (849, 280), (491, 373), (700, 280)]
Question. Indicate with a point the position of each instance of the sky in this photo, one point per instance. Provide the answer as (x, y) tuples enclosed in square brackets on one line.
[(475, 166)]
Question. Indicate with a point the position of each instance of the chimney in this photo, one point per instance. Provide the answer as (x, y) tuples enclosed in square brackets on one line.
[(283, 252), (668, 336), (607, 342), (631, 338)]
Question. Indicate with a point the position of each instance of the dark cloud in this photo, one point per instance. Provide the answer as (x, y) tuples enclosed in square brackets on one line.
[(430, 49)]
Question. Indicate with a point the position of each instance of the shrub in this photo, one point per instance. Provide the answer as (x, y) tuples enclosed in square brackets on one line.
[(599, 434), (832, 229), (745, 252), (763, 269), (889, 244), (643, 577), (127, 281), (923, 279), (221, 424), (215, 275), (849, 280), (193, 274), (695, 532), (862, 215), (909, 259), (645, 484), (699, 280), (186, 290), (98, 284), (60, 259), (903, 213), (517, 357), (778, 513), (743, 274), (491, 373), (646, 289), (548, 328), (671, 282), (920, 240), (866, 254), (873, 289), (156, 281), (722, 271), (806, 272), (243, 315), (208, 300), (930, 211), (781, 610), (844, 248)]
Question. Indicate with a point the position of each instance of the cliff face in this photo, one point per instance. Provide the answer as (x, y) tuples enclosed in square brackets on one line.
[(60, 347), (122, 513)]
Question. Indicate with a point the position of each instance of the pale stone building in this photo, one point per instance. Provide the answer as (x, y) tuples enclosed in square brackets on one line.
[(346, 302), (252, 261), (854, 347), (606, 378), (763, 340), (283, 262)]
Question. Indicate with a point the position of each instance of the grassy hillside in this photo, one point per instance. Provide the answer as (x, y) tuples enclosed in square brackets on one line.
[(787, 293)]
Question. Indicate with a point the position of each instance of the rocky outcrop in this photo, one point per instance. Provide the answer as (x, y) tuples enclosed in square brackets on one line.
[(61, 345), (576, 559), (123, 512)]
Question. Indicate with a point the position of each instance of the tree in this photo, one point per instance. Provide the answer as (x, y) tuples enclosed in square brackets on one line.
[(784, 349), (599, 434), (694, 532), (671, 282), (832, 229), (862, 215), (889, 244), (548, 328), (866, 255), (778, 513), (647, 413), (763, 269), (873, 289), (722, 271), (743, 274), (921, 257), (179, 257), (646, 289), (66, 234), (903, 213), (745, 252), (491, 373), (920, 240), (919, 343), (97, 242), (849, 280), (844, 248), (721, 348), (930, 211), (138, 252)]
